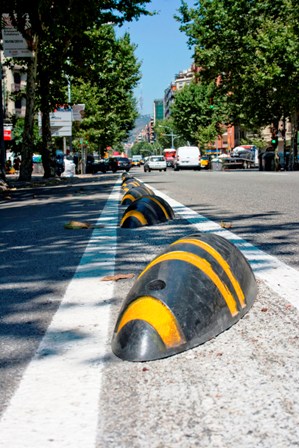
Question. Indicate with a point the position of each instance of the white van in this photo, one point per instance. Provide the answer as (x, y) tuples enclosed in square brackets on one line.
[(187, 157)]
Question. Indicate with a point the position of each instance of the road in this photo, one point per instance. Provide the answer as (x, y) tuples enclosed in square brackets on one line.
[(263, 208), (59, 379)]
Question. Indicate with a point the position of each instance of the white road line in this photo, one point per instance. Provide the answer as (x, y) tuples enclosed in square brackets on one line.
[(278, 276), (56, 404)]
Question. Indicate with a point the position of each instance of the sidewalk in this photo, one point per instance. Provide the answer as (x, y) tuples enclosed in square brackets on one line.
[(12, 183)]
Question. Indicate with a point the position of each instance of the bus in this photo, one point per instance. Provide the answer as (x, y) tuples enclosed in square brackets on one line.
[(169, 155)]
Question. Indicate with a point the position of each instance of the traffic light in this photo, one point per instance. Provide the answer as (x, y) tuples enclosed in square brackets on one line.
[(274, 141), (211, 103)]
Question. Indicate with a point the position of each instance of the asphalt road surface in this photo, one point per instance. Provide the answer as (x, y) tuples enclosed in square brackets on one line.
[(61, 385)]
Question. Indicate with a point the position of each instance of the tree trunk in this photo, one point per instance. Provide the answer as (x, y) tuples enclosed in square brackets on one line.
[(28, 136), (275, 134), (296, 144), (293, 148)]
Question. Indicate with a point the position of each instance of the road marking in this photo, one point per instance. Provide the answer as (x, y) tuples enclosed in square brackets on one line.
[(278, 276), (56, 404)]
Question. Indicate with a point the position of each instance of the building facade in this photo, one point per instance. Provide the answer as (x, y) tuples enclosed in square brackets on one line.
[(182, 79), (13, 82), (158, 110)]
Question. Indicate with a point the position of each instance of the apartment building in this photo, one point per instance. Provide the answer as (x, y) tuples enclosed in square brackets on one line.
[(181, 79), (158, 110), (13, 81)]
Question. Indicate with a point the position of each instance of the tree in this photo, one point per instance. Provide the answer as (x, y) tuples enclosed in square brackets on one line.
[(53, 26), (254, 47), (167, 135), (198, 114), (143, 148), (106, 88)]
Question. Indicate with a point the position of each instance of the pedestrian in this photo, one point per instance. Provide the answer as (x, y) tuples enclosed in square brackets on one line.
[(16, 164)]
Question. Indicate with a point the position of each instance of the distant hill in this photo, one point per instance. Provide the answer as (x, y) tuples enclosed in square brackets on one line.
[(140, 123)]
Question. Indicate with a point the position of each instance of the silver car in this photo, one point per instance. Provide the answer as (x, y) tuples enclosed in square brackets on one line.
[(155, 163)]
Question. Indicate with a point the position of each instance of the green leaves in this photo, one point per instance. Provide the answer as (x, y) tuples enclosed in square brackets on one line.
[(193, 116), (255, 47), (107, 87)]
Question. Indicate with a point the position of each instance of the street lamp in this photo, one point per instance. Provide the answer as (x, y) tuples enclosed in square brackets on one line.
[(172, 135)]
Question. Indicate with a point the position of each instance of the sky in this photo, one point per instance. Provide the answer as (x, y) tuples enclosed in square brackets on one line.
[(162, 50)]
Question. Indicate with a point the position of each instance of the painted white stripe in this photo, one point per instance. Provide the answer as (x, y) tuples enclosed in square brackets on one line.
[(56, 404), (278, 276)]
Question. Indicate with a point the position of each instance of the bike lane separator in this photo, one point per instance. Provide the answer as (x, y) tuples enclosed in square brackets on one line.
[(278, 276), (56, 403)]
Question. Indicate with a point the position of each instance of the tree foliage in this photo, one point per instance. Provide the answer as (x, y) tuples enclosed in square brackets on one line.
[(54, 27), (167, 134), (106, 88), (143, 148), (254, 47), (250, 49), (198, 113)]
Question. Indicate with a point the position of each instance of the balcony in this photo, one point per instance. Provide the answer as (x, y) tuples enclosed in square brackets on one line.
[(16, 87)]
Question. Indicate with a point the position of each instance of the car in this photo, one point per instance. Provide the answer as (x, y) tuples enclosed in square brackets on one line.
[(155, 163), (136, 160), (93, 165), (205, 162), (187, 157), (118, 163)]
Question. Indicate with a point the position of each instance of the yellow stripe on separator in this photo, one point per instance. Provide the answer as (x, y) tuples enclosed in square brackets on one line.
[(205, 267), (161, 206), (135, 214), (158, 315), (130, 184), (128, 196), (218, 257)]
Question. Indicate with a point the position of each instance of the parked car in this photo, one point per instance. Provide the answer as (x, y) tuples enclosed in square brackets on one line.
[(187, 157), (118, 163), (155, 163), (93, 165), (205, 162)]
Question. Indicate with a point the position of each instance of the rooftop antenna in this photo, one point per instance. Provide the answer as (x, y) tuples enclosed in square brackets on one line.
[(140, 102)]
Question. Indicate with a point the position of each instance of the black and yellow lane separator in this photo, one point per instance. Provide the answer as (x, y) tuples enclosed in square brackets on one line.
[(130, 183), (134, 193), (146, 211), (197, 288), (125, 175)]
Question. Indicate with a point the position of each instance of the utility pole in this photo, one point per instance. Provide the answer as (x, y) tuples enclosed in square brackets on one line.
[(171, 134), (69, 94)]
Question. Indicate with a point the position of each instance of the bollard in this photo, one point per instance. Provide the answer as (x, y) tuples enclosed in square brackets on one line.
[(130, 183), (126, 175), (146, 211), (197, 288), (135, 193)]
